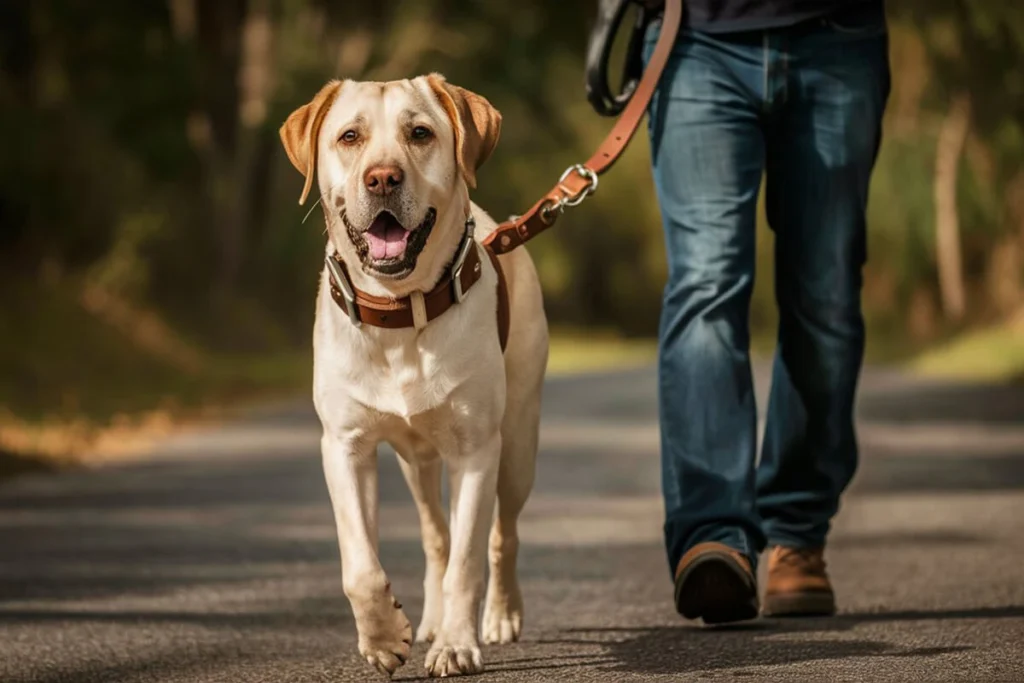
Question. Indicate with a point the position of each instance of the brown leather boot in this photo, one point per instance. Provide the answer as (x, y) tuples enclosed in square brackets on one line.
[(798, 584), (715, 583)]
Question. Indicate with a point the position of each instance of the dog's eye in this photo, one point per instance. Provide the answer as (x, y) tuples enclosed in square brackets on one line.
[(349, 136), (421, 133)]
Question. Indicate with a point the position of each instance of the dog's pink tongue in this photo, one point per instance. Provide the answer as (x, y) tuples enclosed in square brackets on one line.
[(386, 237)]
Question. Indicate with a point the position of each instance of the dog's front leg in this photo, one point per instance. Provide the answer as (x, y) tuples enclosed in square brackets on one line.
[(473, 483), (385, 634)]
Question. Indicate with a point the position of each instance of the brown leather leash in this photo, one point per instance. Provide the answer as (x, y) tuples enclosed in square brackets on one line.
[(580, 181)]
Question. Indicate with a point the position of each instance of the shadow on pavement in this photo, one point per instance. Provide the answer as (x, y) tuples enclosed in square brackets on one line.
[(839, 622), (989, 404), (686, 648), (921, 539), (842, 622), (888, 472), (195, 662)]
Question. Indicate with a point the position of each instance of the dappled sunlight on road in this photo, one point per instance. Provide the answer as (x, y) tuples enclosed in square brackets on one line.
[(215, 557)]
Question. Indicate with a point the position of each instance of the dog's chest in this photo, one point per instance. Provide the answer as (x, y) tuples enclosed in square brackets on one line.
[(413, 382), (397, 379), (403, 372), (422, 438)]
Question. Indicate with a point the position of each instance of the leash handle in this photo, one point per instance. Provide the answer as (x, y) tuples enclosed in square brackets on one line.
[(579, 181), (610, 14)]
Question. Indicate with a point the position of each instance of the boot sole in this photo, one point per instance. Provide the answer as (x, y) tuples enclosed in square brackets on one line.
[(810, 604), (717, 589)]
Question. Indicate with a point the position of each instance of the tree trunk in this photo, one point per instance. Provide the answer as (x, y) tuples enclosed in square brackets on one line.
[(235, 41), (949, 149), (1006, 261), (260, 142), (219, 30)]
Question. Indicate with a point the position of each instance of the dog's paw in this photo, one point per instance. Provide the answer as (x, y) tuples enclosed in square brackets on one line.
[(503, 618), (427, 630), (433, 615), (453, 660), (386, 640), (502, 628)]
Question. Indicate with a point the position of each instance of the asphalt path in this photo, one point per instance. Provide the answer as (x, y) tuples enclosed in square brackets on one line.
[(215, 558)]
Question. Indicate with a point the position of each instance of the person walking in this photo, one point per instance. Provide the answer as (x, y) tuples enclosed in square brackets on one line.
[(792, 91)]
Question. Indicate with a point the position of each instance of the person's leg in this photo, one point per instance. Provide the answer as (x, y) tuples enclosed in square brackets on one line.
[(708, 153), (822, 147)]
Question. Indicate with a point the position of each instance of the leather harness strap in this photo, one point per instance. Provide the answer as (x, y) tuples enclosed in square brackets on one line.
[(580, 180), (504, 314), (575, 185), (363, 308)]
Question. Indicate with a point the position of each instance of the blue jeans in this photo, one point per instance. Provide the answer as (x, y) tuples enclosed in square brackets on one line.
[(801, 106)]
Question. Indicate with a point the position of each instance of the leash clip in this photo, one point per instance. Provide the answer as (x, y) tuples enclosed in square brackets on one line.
[(547, 212), (590, 189)]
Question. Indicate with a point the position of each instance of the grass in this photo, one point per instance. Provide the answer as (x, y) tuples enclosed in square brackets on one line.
[(76, 382), (993, 354), (60, 361), (124, 416), (576, 351)]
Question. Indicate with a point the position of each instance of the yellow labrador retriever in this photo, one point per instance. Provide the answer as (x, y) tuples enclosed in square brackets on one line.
[(395, 162)]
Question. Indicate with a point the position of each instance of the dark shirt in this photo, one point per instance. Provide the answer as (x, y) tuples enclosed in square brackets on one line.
[(722, 16)]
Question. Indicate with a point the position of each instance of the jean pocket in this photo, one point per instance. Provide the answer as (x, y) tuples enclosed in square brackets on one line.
[(857, 23)]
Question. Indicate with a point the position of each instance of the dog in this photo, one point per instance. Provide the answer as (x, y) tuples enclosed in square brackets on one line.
[(395, 162)]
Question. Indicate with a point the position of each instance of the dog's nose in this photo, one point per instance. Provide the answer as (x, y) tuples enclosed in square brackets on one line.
[(383, 180)]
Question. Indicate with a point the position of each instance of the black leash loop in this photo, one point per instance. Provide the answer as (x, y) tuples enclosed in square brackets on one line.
[(610, 15)]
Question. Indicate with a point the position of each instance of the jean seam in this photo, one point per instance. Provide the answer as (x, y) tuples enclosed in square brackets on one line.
[(765, 71)]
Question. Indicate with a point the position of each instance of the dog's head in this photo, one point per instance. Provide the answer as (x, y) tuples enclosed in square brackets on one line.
[(393, 161)]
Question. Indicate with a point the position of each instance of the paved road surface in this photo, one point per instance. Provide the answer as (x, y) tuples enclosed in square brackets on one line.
[(217, 560)]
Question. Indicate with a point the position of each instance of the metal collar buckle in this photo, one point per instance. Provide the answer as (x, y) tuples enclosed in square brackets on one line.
[(460, 260), (348, 293)]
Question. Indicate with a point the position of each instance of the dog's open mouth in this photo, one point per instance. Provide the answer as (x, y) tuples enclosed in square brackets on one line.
[(386, 237), (387, 247)]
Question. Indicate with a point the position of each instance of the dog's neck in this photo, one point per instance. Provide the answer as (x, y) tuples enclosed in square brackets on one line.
[(431, 264)]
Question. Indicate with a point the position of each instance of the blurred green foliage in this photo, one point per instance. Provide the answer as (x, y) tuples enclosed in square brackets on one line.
[(143, 188)]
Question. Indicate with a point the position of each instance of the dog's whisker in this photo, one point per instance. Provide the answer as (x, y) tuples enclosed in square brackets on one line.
[(315, 204)]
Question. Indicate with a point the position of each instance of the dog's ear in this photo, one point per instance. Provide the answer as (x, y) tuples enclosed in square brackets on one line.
[(300, 134), (477, 124)]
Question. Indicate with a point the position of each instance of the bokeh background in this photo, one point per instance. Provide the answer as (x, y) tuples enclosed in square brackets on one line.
[(154, 261)]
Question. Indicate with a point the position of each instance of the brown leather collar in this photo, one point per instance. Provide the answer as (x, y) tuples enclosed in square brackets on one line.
[(458, 279)]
